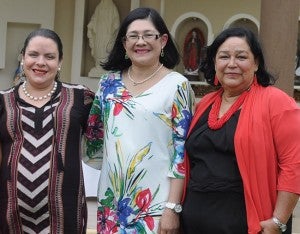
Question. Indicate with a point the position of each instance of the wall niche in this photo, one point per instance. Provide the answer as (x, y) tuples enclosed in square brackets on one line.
[(83, 60)]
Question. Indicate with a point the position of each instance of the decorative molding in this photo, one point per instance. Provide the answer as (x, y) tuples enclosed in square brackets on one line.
[(241, 16)]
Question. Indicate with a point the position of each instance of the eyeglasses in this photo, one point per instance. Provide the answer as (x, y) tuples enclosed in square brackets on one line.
[(148, 37)]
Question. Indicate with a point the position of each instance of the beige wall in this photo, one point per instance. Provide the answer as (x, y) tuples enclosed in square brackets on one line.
[(64, 25), (171, 10), (17, 19), (216, 12)]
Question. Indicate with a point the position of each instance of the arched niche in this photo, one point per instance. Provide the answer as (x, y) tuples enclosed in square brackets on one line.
[(180, 30), (243, 20), (82, 61), (175, 29)]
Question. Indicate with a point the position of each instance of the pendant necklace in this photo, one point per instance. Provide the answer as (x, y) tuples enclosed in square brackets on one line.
[(142, 81), (214, 122), (27, 94)]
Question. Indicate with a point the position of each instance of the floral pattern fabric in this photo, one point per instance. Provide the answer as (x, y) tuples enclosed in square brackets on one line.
[(140, 140)]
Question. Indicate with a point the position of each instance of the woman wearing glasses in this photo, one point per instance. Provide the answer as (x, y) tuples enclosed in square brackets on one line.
[(137, 128)]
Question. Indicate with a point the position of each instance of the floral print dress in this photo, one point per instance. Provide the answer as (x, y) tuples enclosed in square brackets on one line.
[(138, 143)]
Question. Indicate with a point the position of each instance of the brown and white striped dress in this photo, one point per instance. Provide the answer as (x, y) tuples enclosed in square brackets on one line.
[(41, 179)]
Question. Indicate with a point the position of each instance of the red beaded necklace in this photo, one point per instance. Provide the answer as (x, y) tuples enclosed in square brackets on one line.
[(214, 122)]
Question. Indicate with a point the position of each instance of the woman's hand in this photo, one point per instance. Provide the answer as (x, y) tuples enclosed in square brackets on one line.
[(169, 222), (269, 227), (285, 204)]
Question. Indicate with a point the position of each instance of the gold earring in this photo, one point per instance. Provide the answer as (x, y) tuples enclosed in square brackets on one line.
[(162, 53), (58, 73)]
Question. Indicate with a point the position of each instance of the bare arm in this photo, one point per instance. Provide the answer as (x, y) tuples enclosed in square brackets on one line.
[(169, 222), (285, 204)]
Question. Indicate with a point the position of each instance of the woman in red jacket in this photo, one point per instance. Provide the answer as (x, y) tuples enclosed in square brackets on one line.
[(243, 151)]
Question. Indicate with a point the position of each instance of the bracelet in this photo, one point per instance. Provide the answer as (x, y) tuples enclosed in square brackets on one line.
[(280, 225)]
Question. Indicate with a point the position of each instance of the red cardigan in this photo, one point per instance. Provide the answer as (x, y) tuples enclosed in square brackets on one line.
[(267, 147)]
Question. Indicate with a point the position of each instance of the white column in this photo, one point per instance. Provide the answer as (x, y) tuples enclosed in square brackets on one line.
[(135, 4), (162, 8)]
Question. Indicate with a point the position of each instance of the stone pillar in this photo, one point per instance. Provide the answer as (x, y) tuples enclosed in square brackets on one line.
[(278, 35)]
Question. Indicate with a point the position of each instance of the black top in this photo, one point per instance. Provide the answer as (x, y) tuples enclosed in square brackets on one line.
[(213, 165), (41, 179)]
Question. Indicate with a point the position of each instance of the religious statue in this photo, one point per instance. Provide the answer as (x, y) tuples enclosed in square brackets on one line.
[(100, 30), (193, 44)]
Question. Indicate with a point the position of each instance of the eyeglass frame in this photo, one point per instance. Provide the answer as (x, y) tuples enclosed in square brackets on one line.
[(137, 37)]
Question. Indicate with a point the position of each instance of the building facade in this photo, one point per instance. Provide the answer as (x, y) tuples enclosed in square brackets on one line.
[(192, 23)]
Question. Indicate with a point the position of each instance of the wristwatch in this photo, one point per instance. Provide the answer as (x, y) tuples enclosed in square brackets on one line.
[(281, 225), (177, 208)]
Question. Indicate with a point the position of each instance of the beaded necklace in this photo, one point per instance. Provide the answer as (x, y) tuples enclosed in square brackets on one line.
[(27, 94), (214, 122)]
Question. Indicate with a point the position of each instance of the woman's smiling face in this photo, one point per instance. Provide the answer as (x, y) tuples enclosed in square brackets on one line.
[(144, 51), (41, 61), (235, 64)]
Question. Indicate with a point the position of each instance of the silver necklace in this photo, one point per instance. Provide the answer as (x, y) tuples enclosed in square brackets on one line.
[(146, 79), (27, 94)]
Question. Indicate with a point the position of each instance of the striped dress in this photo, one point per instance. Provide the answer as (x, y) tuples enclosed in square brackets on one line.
[(41, 180)]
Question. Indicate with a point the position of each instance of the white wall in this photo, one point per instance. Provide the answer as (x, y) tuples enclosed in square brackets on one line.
[(17, 19)]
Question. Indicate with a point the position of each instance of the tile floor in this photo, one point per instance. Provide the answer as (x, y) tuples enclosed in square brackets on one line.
[(92, 207)]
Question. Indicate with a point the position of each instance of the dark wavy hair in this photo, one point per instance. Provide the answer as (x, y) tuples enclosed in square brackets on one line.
[(264, 78), (116, 58), (47, 33)]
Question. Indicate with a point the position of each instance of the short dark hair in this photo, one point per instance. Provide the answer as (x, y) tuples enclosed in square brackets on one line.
[(264, 78), (116, 59), (47, 33)]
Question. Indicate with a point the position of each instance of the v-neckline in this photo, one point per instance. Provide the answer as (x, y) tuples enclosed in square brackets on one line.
[(144, 91)]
